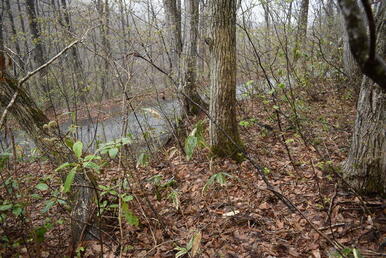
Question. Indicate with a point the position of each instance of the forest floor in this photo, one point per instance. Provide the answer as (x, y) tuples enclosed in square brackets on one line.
[(236, 216)]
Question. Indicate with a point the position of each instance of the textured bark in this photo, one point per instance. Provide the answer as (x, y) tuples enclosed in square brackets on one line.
[(35, 32), (350, 66), (173, 20), (48, 140), (26, 50), (302, 25), (202, 47), (77, 62), (13, 27), (103, 9), (373, 67), (2, 58), (268, 31), (223, 78), (365, 167), (189, 60)]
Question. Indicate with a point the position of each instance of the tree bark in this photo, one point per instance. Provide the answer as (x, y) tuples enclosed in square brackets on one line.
[(34, 28), (365, 167), (371, 64), (26, 50), (303, 22), (173, 20), (189, 61), (222, 46), (350, 66), (103, 9), (13, 27)]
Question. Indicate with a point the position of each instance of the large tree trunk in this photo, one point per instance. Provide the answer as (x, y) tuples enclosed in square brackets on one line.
[(365, 167), (223, 79), (49, 141), (189, 60)]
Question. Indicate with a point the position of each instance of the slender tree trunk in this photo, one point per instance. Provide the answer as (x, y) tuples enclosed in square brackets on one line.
[(301, 33), (350, 66), (267, 32), (365, 167), (77, 62), (173, 20), (189, 60), (2, 57), (303, 21), (103, 9), (289, 15), (13, 27), (26, 50), (39, 55), (223, 79), (35, 32)]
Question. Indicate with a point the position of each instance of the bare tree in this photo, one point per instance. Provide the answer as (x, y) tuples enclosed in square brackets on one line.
[(222, 44)]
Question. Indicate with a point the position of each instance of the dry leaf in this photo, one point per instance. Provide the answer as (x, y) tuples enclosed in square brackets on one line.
[(316, 253), (196, 243)]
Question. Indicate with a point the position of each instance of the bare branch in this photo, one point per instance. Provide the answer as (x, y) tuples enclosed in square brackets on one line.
[(30, 74)]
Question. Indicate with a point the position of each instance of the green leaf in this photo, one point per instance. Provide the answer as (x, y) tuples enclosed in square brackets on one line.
[(356, 253), (64, 165), (127, 198), (77, 148), (92, 165), (69, 142), (281, 85), (125, 140), (6, 207), (182, 251), (42, 186), (17, 211), (143, 160), (91, 157), (39, 234), (220, 179), (113, 152), (36, 196), (190, 145), (69, 180), (131, 219), (49, 205)]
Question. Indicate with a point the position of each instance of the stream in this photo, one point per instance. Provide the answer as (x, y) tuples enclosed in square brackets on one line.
[(154, 121)]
